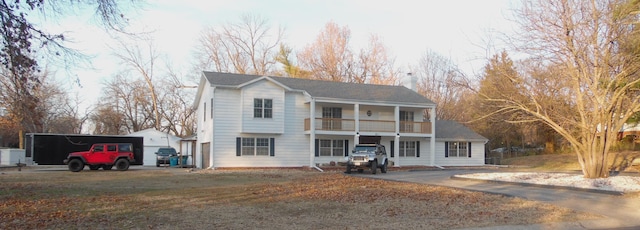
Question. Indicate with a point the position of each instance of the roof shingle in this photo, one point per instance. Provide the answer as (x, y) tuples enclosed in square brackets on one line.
[(452, 130), (329, 89)]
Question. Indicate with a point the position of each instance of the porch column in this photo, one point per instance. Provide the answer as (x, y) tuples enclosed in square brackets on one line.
[(396, 147), (312, 131), (432, 119), (356, 118)]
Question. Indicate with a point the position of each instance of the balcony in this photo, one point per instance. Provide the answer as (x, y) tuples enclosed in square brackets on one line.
[(338, 124)]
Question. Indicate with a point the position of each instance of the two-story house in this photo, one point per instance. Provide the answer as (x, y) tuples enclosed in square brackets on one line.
[(265, 121)]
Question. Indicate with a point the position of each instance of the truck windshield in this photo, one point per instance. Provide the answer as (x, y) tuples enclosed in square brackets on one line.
[(166, 151), (365, 148)]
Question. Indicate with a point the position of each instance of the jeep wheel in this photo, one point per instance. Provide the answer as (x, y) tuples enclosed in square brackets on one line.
[(107, 167), (383, 169), (76, 165), (348, 169), (94, 167), (122, 164), (374, 167)]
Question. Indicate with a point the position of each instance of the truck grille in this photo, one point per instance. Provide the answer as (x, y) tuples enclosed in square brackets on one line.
[(358, 158)]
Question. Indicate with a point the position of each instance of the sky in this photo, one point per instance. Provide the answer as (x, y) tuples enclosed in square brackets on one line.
[(457, 29)]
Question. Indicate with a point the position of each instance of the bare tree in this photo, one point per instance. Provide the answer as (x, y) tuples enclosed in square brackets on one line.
[(124, 108), (440, 80), (60, 111), (20, 100), (179, 117), (329, 57), (247, 47), (143, 62), (375, 66), (596, 88), (22, 41)]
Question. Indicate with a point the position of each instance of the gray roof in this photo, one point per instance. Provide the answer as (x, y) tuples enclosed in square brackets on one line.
[(452, 130), (329, 89)]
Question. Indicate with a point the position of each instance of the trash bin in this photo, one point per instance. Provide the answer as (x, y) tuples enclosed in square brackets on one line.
[(173, 161), (184, 160)]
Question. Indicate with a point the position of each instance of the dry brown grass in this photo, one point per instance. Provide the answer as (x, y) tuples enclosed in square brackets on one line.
[(239, 199), (621, 161)]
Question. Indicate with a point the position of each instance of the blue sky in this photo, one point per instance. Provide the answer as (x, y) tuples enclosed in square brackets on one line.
[(458, 29)]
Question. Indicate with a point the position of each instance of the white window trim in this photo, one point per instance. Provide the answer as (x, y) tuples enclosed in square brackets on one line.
[(403, 148), (331, 148), (255, 146), (459, 153), (262, 108)]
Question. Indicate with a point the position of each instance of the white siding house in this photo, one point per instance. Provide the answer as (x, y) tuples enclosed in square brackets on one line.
[(265, 121)]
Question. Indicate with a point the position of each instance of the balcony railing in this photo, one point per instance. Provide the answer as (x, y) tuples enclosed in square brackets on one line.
[(338, 124)]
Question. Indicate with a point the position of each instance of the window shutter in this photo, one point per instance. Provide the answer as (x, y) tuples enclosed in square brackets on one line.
[(469, 149), (272, 146), (417, 149), (392, 149), (446, 149), (317, 147), (346, 148), (238, 146)]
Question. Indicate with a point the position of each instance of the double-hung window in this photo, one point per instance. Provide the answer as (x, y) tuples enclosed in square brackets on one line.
[(407, 148), (331, 148), (262, 108), (458, 149), (255, 146)]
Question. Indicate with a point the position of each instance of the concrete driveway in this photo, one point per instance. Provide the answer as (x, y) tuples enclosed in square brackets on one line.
[(621, 212)]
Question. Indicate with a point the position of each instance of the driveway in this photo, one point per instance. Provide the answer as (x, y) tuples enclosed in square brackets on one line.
[(621, 212)]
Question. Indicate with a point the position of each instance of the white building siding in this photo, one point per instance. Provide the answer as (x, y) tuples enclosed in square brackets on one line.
[(476, 159), (294, 142), (205, 119), (226, 125), (337, 157), (262, 90), (291, 148), (425, 152)]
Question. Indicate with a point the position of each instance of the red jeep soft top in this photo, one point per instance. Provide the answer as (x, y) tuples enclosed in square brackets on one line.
[(102, 155)]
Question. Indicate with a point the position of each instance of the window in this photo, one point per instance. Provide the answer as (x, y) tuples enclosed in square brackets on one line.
[(255, 146), (248, 146), (407, 148), (98, 148), (111, 148), (331, 118), (330, 148), (262, 146), (262, 108), (406, 121), (124, 147), (458, 149)]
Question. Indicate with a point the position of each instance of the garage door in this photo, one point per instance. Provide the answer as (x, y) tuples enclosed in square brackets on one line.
[(205, 155)]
